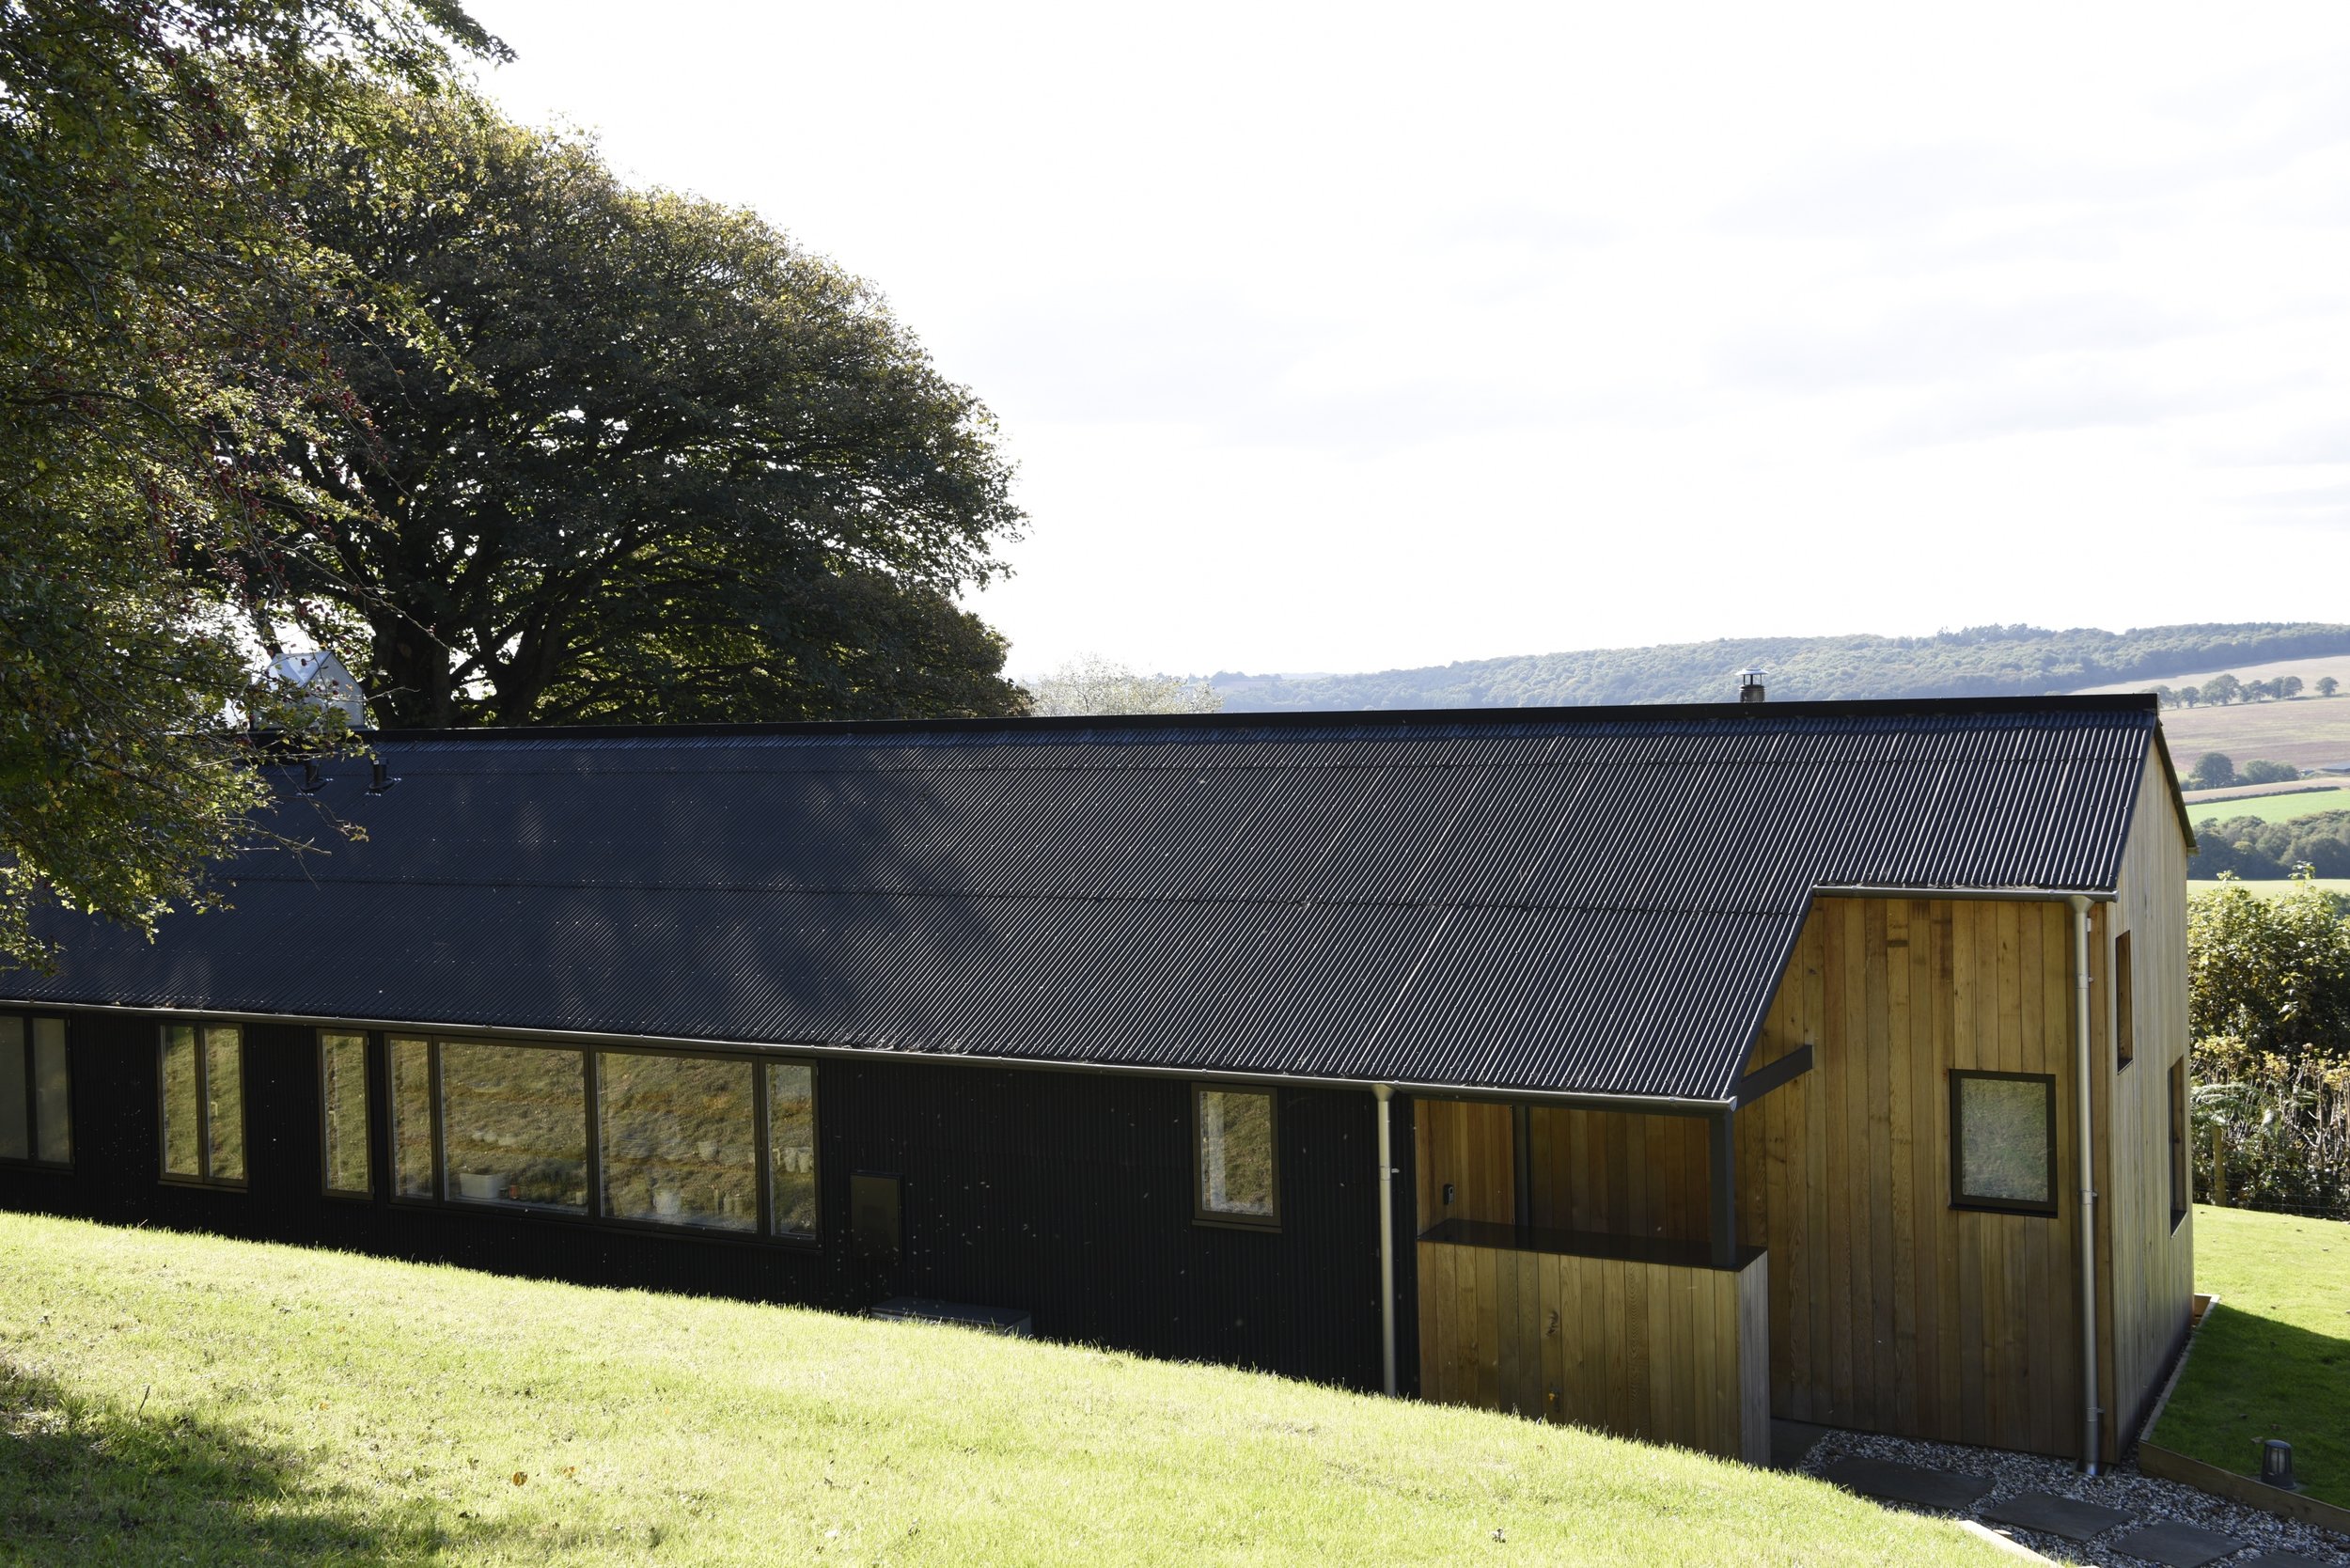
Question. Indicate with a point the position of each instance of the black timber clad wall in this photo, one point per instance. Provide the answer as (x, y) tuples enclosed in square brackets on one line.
[(1066, 1195)]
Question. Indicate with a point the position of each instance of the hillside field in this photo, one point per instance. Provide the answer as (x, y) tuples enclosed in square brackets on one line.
[(2270, 809), (2306, 731), (176, 1399)]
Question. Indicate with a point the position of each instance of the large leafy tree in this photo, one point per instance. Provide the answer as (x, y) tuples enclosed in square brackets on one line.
[(157, 300), (679, 468)]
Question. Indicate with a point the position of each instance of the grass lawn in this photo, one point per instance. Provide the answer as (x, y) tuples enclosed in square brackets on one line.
[(183, 1399), (2274, 1361)]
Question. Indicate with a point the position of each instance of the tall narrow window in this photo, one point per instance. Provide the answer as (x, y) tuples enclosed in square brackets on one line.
[(35, 1125), (2003, 1142), (1238, 1176), (514, 1125), (680, 1140), (412, 1119), (2125, 1009), (343, 1096), (791, 1148), (203, 1103), (2181, 1171)]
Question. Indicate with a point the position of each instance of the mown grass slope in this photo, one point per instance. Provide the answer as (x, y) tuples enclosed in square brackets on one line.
[(182, 1398), (2274, 1361)]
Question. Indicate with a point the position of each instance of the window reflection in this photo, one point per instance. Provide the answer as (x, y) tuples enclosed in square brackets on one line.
[(514, 1124), (679, 1140)]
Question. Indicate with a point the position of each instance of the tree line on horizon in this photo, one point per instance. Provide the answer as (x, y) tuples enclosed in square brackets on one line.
[(1982, 660), (2222, 690)]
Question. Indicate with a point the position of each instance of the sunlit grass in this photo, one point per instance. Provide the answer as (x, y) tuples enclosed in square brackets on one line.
[(2274, 1361), (179, 1399)]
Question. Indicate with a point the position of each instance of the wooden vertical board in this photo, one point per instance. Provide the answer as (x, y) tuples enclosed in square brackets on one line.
[(1754, 1381), (1934, 1198), (1901, 1207), (1884, 1381), (1925, 1117)]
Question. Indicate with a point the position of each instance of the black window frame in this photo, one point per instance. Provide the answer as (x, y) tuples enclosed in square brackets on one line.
[(2125, 1004), (2181, 1141), (366, 1117), (1960, 1197), (32, 1160), (204, 1178), (593, 1215), (1219, 1218)]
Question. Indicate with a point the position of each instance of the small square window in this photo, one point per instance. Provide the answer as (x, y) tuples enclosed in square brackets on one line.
[(1239, 1171), (2003, 1142)]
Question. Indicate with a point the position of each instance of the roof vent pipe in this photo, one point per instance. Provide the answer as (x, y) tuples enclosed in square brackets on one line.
[(312, 780), (379, 777), (1750, 686)]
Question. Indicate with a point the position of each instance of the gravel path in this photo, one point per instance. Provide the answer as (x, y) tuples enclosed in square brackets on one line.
[(2145, 1496)]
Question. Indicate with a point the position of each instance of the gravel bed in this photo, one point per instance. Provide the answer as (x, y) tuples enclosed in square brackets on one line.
[(2146, 1498)]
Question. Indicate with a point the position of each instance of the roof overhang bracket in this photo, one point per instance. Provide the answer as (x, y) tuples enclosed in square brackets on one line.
[(1786, 1070)]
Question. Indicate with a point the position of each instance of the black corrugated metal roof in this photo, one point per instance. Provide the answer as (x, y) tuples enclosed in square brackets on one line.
[(1592, 899)]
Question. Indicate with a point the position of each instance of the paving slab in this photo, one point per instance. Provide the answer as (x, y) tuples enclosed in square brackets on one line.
[(2050, 1514), (1913, 1484), (2177, 1546)]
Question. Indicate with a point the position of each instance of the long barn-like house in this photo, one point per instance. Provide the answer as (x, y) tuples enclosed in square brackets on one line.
[(1658, 1068)]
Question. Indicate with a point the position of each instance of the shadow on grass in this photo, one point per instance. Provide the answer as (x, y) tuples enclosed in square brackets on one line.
[(2249, 1377), (82, 1482)]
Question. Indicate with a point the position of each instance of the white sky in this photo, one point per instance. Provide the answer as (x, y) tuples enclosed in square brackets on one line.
[(1339, 339)]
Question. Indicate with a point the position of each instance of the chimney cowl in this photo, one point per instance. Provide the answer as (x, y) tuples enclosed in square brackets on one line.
[(1750, 686)]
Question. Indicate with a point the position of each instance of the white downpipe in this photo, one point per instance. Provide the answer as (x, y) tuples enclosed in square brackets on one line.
[(2088, 1189), (1383, 1093)]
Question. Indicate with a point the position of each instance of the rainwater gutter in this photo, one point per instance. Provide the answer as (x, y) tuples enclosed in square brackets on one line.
[(1383, 1094), (2089, 1413)]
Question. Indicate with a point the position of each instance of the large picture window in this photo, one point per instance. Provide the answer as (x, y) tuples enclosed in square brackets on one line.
[(1238, 1173), (203, 1103), (514, 1125), (36, 1117), (343, 1114), (635, 1136), (2003, 1142), (681, 1145)]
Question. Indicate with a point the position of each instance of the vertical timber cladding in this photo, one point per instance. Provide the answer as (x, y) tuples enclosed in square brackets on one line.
[(2145, 1268), (1616, 1173), (1892, 1310), (1647, 1350)]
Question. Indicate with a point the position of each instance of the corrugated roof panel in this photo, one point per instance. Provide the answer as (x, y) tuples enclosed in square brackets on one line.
[(1593, 899)]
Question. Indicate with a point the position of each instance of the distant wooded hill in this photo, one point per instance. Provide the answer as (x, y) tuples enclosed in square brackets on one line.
[(1982, 661)]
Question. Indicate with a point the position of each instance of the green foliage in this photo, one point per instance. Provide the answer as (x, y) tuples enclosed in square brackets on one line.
[(2213, 769), (1984, 661), (2257, 850), (681, 469), (1092, 684), (155, 357), (2222, 689), (2259, 771), (2271, 1128), (2327, 685), (2273, 974)]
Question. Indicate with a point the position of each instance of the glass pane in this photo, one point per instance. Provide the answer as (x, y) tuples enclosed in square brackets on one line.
[(343, 1082), (183, 1126), (412, 1118), (50, 1119), (2003, 1140), (680, 1140), (514, 1125), (16, 1138), (224, 1097), (791, 1147), (1236, 1153)]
